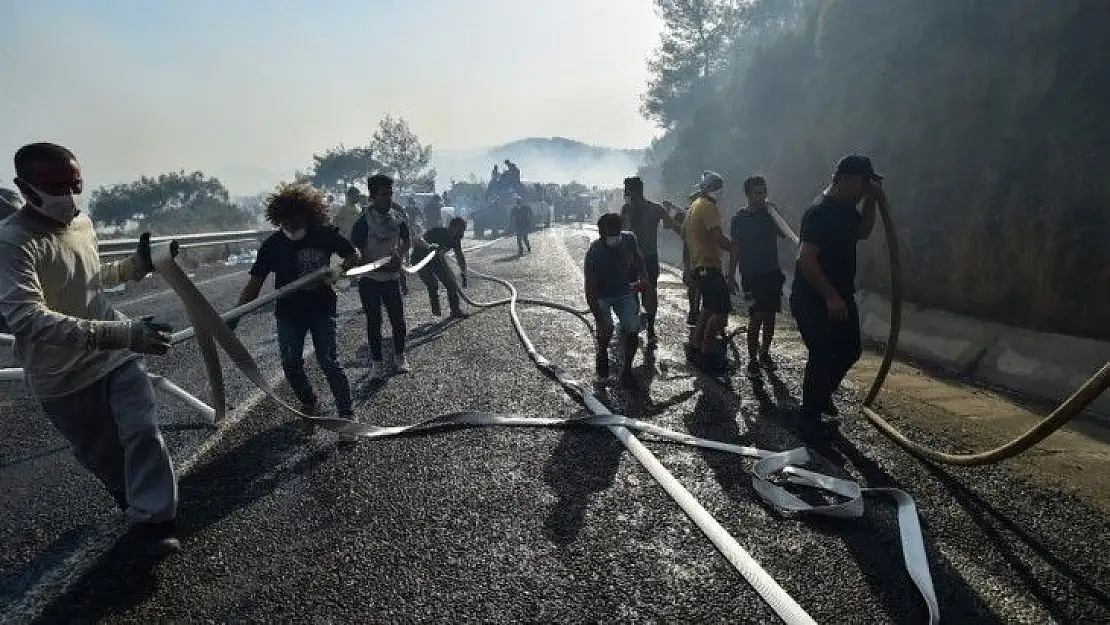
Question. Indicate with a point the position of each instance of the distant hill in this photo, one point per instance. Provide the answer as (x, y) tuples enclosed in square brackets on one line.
[(554, 159)]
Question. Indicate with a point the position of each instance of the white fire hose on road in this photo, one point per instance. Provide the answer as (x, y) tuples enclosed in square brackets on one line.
[(772, 472)]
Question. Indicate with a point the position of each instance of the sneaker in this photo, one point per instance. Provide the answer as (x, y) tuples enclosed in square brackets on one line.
[(458, 314), (601, 365), (377, 370), (766, 361), (157, 539), (401, 364), (436, 309)]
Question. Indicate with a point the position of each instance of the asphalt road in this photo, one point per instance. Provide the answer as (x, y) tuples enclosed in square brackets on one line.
[(510, 525)]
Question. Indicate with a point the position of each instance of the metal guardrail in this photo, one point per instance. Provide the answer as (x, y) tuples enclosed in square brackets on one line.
[(123, 247)]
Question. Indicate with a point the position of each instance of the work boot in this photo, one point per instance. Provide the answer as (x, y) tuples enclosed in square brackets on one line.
[(436, 309)]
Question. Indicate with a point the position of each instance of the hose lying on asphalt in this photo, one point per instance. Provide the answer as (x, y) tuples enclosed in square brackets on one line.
[(1072, 407), (772, 469)]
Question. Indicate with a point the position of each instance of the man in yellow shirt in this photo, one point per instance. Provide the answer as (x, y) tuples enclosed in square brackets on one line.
[(706, 241)]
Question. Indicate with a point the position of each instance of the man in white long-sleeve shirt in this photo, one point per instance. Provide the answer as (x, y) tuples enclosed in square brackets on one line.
[(82, 358)]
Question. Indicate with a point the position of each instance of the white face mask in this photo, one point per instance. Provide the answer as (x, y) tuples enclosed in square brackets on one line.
[(60, 208), (613, 241), (294, 235)]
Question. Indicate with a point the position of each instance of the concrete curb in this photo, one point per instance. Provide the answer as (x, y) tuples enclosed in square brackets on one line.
[(1045, 366)]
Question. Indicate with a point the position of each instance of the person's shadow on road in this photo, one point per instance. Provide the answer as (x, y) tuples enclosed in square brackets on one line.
[(125, 577), (584, 463)]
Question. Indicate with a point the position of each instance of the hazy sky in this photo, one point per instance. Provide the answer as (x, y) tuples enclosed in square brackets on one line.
[(248, 89)]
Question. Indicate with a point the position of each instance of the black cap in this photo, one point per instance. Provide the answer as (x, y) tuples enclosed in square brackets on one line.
[(856, 165)]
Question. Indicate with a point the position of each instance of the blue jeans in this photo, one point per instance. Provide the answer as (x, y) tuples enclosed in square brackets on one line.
[(291, 332), (627, 310)]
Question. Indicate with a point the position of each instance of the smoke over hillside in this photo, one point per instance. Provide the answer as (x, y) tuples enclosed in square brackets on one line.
[(542, 160)]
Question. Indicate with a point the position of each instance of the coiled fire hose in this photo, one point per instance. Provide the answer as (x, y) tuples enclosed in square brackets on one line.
[(771, 472), (1065, 412)]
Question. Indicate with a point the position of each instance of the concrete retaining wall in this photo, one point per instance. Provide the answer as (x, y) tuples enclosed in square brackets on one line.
[(1045, 366)]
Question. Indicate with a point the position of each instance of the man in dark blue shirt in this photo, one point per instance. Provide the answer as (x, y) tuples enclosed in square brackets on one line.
[(306, 242), (755, 252), (609, 262), (822, 298), (437, 271)]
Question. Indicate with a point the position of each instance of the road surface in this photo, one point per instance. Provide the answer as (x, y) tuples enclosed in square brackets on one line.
[(525, 525)]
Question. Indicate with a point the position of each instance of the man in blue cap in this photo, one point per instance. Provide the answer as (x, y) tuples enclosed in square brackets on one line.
[(822, 296)]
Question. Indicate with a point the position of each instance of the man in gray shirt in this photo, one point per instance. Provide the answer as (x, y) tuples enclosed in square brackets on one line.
[(80, 357)]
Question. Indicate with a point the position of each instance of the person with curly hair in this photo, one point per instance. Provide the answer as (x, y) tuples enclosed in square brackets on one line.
[(305, 242)]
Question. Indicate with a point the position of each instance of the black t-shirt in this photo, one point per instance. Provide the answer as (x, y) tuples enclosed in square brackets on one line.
[(442, 237), (289, 260), (833, 227), (522, 215), (757, 235), (437, 236)]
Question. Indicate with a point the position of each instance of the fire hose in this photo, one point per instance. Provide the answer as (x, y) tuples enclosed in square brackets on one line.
[(1071, 407), (772, 471)]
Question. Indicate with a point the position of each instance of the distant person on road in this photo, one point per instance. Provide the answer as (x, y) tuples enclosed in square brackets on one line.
[(437, 271), (822, 297), (81, 358), (412, 212), (347, 213), (433, 213), (305, 242), (755, 237), (642, 217), (382, 232), (706, 241), (610, 262), (521, 215)]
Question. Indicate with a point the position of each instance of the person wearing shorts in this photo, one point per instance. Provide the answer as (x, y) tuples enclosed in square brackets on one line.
[(706, 241), (610, 261), (755, 237)]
